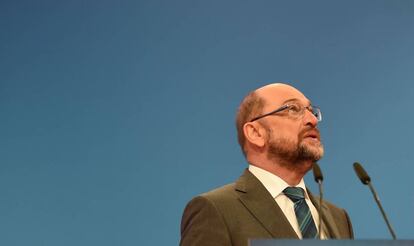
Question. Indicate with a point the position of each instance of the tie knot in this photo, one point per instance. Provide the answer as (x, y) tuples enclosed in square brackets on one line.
[(294, 193)]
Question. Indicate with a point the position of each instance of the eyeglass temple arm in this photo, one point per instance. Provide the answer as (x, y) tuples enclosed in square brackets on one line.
[(270, 113)]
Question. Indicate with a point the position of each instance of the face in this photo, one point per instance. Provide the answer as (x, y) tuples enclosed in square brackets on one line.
[(291, 140)]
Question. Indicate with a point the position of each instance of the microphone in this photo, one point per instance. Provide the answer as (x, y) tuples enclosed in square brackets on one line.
[(317, 174), (366, 180)]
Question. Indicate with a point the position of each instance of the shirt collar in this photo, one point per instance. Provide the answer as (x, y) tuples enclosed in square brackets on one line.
[(273, 183)]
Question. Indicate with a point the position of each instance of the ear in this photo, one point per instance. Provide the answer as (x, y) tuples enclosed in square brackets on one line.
[(255, 133)]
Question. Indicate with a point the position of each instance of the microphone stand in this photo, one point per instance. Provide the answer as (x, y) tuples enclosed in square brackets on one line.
[(376, 198), (366, 180), (317, 174), (320, 209)]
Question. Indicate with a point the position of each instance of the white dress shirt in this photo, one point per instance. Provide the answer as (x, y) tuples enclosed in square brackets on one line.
[(275, 185)]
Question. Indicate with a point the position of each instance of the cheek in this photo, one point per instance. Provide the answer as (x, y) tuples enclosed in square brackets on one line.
[(290, 135), (293, 132), (290, 131)]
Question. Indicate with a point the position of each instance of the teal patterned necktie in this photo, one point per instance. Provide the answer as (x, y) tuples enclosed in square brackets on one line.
[(303, 214)]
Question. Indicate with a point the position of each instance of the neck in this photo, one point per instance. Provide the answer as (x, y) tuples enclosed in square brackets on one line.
[(291, 173)]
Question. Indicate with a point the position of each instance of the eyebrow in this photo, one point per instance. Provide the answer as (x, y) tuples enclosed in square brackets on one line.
[(295, 100)]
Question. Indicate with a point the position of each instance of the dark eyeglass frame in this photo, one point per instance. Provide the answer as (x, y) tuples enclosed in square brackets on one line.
[(311, 109)]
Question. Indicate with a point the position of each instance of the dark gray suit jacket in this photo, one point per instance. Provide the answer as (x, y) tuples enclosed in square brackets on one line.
[(234, 213)]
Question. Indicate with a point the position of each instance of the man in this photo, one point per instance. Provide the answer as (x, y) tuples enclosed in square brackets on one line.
[(278, 134)]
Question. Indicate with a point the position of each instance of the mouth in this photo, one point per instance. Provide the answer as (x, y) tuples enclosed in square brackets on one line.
[(313, 134)]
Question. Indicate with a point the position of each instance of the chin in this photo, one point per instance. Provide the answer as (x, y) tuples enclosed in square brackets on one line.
[(314, 153)]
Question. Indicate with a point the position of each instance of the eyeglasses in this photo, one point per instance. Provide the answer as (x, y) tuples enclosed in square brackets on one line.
[(295, 110)]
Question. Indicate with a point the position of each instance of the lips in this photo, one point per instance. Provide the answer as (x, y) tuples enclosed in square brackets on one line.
[(314, 134)]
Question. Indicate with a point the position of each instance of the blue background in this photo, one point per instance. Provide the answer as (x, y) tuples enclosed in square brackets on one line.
[(115, 113)]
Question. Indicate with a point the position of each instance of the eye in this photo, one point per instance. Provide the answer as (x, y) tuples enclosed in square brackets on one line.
[(295, 108)]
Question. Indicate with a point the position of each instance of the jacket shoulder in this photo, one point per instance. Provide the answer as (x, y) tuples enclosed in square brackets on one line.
[(220, 193), (203, 221)]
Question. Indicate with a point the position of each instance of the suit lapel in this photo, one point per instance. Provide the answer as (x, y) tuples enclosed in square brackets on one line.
[(328, 224), (263, 207)]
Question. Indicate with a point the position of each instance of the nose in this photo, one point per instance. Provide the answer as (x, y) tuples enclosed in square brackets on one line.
[(310, 119)]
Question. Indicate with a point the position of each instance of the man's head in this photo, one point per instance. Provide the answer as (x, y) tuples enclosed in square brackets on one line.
[(288, 137)]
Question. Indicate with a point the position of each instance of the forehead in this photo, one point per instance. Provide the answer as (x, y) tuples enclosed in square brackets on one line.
[(275, 95)]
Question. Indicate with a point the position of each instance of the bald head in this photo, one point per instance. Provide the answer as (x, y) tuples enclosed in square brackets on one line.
[(277, 93)]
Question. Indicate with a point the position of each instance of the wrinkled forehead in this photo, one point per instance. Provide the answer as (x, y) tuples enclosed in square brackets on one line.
[(276, 95)]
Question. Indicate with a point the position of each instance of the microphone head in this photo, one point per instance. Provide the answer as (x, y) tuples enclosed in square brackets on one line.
[(362, 175), (317, 173)]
